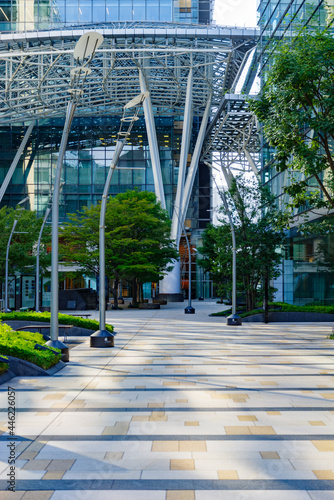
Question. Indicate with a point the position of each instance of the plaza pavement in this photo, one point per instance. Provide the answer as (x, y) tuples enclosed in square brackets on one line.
[(182, 408)]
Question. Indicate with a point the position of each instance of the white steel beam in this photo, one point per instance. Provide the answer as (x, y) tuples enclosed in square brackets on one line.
[(16, 160), (186, 133), (152, 141), (251, 162), (194, 163)]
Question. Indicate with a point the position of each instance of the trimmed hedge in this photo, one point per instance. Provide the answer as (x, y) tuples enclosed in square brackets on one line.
[(21, 345), (3, 368), (282, 307), (63, 319)]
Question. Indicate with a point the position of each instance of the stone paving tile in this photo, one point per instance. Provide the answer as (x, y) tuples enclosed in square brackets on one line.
[(261, 381)]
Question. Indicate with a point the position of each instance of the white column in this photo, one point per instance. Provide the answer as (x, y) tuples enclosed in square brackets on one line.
[(186, 133), (194, 163), (153, 142), (251, 162), (16, 160), (172, 281)]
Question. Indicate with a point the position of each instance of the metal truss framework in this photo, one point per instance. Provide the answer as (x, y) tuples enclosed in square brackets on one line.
[(35, 69), (232, 139)]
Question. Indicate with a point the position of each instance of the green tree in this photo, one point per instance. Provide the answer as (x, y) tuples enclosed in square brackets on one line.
[(22, 257), (138, 244), (296, 109), (253, 214)]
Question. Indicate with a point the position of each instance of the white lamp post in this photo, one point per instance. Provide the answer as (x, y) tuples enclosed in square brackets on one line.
[(7, 258), (84, 49), (103, 338)]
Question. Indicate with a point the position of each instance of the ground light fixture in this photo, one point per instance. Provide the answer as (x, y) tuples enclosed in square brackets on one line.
[(102, 337), (83, 54), (234, 319)]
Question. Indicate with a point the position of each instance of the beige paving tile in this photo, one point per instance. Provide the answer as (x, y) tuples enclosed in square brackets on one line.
[(326, 445), (140, 418), (324, 474), (158, 416), (114, 455), (37, 495), (57, 395), (236, 429), (228, 474), (60, 465), (180, 495), (327, 395), (316, 423), (155, 405), (54, 474), (273, 412), (12, 495), (269, 455), (38, 464), (181, 400), (247, 418), (191, 424), (182, 464), (268, 382), (165, 446), (262, 430), (192, 446)]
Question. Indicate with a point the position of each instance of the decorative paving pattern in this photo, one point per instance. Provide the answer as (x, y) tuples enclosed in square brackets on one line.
[(183, 408)]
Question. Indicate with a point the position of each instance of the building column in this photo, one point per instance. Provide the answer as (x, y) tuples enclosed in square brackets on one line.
[(186, 133), (152, 141), (13, 166)]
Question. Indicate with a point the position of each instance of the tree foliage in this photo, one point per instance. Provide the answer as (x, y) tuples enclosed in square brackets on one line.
[(253, 214), (138, 244), (22, 255), (296, 109)]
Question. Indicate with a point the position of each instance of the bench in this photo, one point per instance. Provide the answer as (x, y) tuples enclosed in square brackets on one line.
[(44, 327)]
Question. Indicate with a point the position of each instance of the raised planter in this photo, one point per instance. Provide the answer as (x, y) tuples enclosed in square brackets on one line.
[(149, 306), (291, 317), (75, 331), (22, 367)]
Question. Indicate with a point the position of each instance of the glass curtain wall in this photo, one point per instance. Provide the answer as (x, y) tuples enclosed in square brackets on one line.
[(27, 15), (306, 276)]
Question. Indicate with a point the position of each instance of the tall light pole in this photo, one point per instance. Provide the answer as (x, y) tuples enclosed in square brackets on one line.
[(48, 210), (234, 319), (84, 49), (189, 309), (7, 257), (103, 338)]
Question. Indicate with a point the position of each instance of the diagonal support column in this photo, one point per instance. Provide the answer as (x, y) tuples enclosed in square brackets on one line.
[(153, 142), (194, 164), (187, 123), (16, 160), (251, 162)]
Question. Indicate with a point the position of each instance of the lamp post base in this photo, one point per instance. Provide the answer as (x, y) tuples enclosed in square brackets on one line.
[(65, 352), (8, 310), (102, 338), (234, 320), (189, 310)]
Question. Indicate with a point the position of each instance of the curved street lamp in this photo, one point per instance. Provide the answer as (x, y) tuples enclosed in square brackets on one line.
[(84, 49), (103, 338)]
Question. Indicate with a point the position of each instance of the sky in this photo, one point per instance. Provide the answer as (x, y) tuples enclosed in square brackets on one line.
[(235, 12)]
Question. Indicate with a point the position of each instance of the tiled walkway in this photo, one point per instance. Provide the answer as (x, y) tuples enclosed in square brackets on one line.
[(183, 408)]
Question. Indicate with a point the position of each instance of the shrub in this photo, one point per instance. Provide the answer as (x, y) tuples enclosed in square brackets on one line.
[(63, 319), (3, 368), (21, 345), (283, 307)]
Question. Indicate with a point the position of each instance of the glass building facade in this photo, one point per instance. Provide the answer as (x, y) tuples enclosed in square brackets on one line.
[(307, 276), (92, 139), (27, 15)]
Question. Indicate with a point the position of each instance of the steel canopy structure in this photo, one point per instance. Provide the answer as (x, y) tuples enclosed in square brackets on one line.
[(35, 68), (187, 70)]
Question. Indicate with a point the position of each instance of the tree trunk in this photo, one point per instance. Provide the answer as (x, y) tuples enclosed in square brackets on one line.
[(134, 292), (114, 291)]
